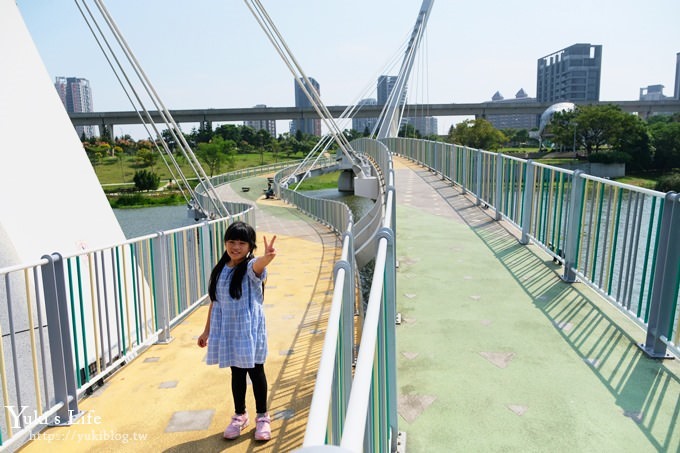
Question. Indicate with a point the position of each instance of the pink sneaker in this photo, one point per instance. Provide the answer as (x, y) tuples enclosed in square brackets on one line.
[(238, 422), (263, 430)]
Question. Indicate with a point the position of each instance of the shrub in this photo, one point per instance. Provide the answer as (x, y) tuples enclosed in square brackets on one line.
[(146, 180), (667, 183), (610, 157)]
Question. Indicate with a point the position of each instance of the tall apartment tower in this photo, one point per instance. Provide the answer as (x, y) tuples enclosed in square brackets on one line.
[(385, 86), (310, 126), (362, 124), (676, 92), (76, 96), (267, 125), (571, 74)]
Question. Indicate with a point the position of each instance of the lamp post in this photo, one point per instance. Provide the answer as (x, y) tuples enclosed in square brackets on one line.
[(573, 147)]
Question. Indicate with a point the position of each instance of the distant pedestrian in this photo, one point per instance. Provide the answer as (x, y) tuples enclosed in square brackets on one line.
[(235, 331), (269, 193)]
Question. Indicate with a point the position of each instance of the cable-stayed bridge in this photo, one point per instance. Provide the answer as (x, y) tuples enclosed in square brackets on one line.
[(509, 306)]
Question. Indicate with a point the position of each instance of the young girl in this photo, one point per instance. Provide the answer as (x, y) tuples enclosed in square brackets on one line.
[(235, 331)]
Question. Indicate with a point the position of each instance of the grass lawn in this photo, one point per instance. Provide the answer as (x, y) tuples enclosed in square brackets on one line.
[(325, 181), (639, 181), (528, 149), (121, 172)]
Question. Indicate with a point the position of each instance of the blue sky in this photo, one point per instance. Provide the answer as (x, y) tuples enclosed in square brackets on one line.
[(212, 53)]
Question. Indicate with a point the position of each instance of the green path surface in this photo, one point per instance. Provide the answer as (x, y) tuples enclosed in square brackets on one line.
[(497, 354)]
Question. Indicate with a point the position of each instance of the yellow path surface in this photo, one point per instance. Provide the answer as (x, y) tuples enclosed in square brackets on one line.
[(169, 400)]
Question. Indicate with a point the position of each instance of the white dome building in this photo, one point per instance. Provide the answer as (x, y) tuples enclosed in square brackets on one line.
[(550, 111)]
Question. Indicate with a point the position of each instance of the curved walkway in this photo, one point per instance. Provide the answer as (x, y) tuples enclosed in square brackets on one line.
[(494, 352), (168, 400), (497, 354)]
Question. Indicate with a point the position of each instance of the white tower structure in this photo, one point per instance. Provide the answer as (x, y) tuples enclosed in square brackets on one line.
[(391, 118), (51, 199)]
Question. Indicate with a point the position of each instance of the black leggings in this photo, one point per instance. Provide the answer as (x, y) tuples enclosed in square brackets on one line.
[(239, 384)]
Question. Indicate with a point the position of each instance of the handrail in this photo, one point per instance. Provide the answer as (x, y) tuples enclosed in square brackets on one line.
[(344, 427), (315, 432), (110, 303), (614, 237)]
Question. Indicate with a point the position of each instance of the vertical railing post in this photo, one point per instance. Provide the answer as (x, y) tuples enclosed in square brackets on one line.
[(527, 202), (571, 239), (478, 177), (206, 258), (342, 380), (664, 290), (463, 177), (59, 334), (499, 185), (390, 298), (162, 295)]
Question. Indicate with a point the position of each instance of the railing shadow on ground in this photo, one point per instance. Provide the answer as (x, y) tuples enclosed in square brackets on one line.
[(291, 390), (641, 386)]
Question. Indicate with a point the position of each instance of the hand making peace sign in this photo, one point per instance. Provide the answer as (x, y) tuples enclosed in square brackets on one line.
[(269, 250), (269, 254)]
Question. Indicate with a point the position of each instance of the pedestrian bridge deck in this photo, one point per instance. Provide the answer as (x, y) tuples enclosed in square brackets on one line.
[(494, 352)]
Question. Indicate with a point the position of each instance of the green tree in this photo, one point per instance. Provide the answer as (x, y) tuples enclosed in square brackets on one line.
[(146, 180), (351, 134), (409, 131), (478, 133), (204, 132), (630, 137), (563, 129), (665, 138), (669, 182), (598, 125), (146, 157), (249, 135), (229, 132), (217, 152), (520, 137)]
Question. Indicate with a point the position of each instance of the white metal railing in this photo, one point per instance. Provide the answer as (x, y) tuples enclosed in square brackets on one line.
[(617, 238), (364, 418), (68, 321)]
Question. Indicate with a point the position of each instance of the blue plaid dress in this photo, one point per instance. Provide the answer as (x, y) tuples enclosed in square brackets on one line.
[(238, 336)]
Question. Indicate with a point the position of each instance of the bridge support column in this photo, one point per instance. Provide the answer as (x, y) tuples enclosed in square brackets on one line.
[(664, 298), (346, 181)]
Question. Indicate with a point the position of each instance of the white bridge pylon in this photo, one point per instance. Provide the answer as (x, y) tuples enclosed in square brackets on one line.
[(357, 176), (390, 118)]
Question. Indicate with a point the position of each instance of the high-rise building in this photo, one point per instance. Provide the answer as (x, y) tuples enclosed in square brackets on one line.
[(676, 92), (425, 125), (385, 86), (513, 120), (76, 96), (267, 125), (310, 126), (571, 74), (653, 93), (362, 124)]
